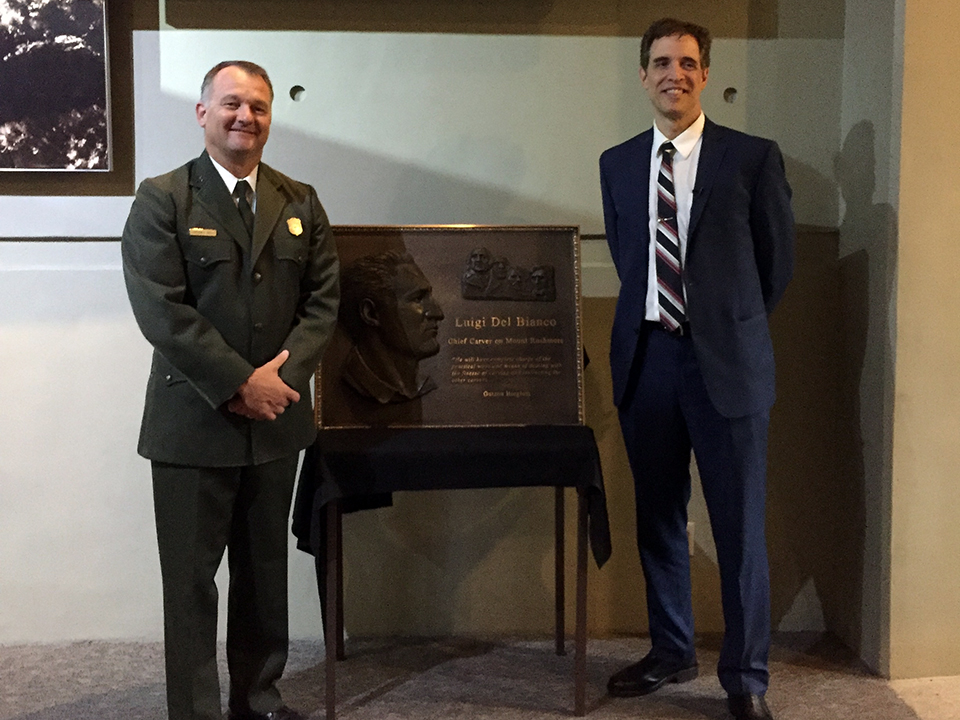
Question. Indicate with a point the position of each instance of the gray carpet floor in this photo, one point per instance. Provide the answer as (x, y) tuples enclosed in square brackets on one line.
[(813, 678)]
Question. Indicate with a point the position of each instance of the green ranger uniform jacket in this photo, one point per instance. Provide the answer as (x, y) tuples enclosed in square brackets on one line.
[(216, 304)]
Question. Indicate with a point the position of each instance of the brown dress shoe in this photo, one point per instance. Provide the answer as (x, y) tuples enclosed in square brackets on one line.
[(749, 707), (650, 674)]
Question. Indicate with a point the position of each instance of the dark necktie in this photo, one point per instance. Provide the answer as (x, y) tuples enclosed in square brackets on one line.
[(240, 192), (669, 285)]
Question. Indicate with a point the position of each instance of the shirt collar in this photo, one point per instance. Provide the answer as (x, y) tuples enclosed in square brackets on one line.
[(231, 182), (685, 142)]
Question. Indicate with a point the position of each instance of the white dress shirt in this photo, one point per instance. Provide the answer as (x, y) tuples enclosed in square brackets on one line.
[(231, 182), (685, 161)]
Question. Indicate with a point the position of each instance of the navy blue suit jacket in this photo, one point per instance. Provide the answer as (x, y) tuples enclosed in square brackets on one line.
[(739, 259)]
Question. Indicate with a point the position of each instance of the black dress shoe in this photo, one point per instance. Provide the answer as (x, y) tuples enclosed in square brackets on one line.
[(281, 713), (650, 674), (749, 707)]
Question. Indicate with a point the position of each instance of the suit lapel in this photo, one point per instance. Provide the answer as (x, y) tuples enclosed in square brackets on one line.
[(211, 192), (712, 149), (639, 167), (270, 203)]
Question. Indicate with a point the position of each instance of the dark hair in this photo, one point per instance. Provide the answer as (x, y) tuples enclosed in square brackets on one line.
[(245, 65), (368, 278), (669, 27)]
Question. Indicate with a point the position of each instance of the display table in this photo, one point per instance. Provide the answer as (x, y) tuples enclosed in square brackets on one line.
[(349, 469)]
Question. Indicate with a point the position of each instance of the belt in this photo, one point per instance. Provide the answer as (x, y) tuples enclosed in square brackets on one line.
[(650, 325)]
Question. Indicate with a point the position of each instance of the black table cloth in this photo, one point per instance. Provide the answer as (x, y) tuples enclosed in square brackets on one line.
[(361, 466)]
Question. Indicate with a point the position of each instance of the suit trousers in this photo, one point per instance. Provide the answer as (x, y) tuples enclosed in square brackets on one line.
[(666, 412), (200, 512)]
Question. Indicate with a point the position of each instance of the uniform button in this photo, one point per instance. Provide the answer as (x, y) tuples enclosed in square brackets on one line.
[(258, 326), (203, 260), (169, 377), (257, 277)]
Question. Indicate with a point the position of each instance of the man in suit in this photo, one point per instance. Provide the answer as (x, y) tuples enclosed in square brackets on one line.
[(699, 225), (233, 277)]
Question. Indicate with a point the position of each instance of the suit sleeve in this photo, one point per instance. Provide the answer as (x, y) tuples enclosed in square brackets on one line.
[(320, 296), (154, 272), (772, 226), (609, 216)]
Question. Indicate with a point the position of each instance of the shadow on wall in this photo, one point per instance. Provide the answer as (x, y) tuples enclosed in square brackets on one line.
[(829, 428), (814, 194), (868, 264), (360, 187), (806, 509), (448, 562)]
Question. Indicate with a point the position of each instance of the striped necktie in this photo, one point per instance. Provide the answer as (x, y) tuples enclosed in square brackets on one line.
[(240, 192), (669, 285)]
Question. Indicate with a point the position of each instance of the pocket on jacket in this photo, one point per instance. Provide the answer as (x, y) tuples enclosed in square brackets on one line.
[(290, 248), (207, 252), (753, 325)]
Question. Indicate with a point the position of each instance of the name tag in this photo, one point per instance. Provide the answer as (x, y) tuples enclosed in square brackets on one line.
[(203, 232)]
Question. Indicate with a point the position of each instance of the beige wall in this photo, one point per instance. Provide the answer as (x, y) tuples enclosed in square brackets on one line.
[(481, 562), (864, 487), (925, 536), (865, 168)]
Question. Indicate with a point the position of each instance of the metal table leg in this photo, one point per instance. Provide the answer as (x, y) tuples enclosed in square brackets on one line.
[(333, 634), (559, 580), (580, 641)]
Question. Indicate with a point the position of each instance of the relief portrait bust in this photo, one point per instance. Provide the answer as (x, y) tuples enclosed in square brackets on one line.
[(388, 311)]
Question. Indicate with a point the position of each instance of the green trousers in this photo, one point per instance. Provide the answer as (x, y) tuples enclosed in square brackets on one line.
[(201, 512)]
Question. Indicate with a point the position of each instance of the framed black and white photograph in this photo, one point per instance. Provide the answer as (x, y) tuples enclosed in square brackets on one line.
[(54, 90)]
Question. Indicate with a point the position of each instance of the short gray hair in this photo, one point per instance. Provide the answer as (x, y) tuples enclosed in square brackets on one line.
[(248, 67)]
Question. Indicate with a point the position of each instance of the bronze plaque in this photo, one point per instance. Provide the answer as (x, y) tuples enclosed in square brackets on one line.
[(455, 326)]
